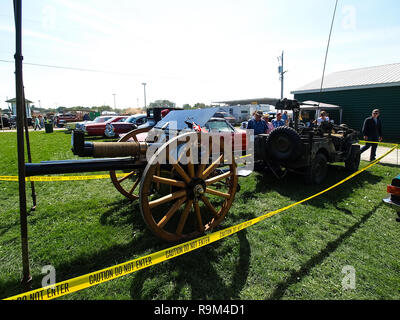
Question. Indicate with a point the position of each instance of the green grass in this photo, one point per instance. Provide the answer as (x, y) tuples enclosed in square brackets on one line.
[(84, 226)]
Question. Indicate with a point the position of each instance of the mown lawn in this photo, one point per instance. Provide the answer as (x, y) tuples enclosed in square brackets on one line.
[(84, 226)]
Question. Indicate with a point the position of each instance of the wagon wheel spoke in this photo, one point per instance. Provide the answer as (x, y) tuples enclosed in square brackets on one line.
[(170, 182), (134, 185), (126, 177), (182, 172), (192, 174), (201, 170), (218, 193), (210, 206), (184, 216), (218, 178), (171, 212), (200, 225), (178, 168), (212, 167), (167, 198), (158, 173)]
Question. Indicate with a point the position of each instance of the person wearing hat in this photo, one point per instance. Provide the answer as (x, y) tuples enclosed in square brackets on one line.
[(258, 124), (278, 122), (372, 131), (269, 124)]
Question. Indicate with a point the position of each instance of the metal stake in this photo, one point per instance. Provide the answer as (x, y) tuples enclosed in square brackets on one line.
[(20, 103)]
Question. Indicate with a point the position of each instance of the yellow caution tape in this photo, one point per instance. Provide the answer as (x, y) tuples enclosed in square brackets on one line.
[(380, 143), (61, 178), (107, 274)]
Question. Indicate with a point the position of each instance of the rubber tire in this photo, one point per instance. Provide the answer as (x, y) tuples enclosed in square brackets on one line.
[(284, 144), (317, 171), (353, 162)]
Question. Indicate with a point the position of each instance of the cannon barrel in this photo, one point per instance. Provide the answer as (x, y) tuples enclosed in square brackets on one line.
[(111, 156), (78, 166), (105, 149)]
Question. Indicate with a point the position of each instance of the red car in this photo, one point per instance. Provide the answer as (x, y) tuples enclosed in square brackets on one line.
[(124, 126), (97, 129), (220, 126)]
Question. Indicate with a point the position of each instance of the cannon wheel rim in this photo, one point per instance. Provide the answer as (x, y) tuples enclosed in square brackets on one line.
[(180, 199), (128, 190)]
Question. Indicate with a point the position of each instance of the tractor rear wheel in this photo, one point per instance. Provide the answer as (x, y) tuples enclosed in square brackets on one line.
[(284, 145)]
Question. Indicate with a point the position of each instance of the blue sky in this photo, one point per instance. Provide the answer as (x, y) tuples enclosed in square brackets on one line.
[(188, 51)]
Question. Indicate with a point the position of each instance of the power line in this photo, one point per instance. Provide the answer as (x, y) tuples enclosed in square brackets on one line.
[(76, 68), (92, 70), (327, 48)]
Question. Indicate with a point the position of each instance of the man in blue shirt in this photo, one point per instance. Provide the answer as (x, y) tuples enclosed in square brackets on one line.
[(278, 122), (257, 124)]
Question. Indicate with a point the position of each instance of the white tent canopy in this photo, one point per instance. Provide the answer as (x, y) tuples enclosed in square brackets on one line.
[(318, 107)]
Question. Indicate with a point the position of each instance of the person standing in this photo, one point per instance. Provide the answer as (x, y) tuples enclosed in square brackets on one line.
[(37, 123), (41, 121), (278, 122), (269, 124), (258, 124), (285, 117), (372, 131)]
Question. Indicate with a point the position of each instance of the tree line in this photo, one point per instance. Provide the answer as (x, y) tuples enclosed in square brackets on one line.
[(156, 104)]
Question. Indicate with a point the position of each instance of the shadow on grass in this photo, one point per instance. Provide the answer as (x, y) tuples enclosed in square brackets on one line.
[(190, 267), (297, 276), (195, 270), (294, 187), (389, 165)]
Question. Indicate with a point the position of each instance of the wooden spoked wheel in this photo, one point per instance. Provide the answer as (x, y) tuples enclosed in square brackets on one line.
[(127, 182), (196, 197)]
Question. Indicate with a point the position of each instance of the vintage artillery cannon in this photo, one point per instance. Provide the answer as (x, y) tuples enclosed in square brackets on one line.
[(187, 180), (175, 170)]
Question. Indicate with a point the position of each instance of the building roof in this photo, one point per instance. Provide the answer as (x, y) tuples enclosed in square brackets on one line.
[(270, 101), (15, 100), (371, 77)]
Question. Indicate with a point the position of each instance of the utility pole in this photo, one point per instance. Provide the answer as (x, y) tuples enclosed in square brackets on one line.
[(115, 104), (281, 73), (20, 106), (144, 88)]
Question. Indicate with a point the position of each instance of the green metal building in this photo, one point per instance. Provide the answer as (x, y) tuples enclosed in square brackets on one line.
[(358, 92)]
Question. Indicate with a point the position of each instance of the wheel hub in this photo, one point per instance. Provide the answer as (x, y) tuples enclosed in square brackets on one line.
[(196, 188)]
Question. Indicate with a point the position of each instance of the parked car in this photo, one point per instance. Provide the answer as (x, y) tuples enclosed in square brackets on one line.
[(206, 120), (98, 127), (13, 122), (82, 124), (393, 199), (5, 122), (77, 125), (133, 122), (221, 125)]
